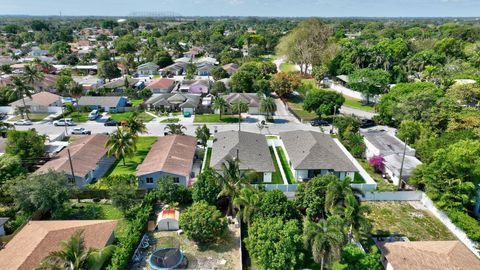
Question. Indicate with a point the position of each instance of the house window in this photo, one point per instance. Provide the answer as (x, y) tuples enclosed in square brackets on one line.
[(176, 180), (149, 180)]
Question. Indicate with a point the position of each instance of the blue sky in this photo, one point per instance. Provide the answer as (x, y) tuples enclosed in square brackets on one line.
[(321, 8)]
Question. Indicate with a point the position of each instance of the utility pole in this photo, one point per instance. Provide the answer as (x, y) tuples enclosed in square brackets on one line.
[(71, 164), (63, 116), (401, 166)]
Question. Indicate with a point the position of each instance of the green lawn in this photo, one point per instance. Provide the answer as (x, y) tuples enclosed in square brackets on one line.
[(209, 157), (215, 118), (145, 117), (276, 176), (382, 185), (34, 117), (357, 104), (170, 120), (286, 168), (401, 218), (79, 117), (286, 67), (358, 179), (143, 146), (136, 102)]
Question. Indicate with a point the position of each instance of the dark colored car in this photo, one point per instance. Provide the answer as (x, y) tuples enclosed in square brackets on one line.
[(319, 122), (367, 123), (112, 123)]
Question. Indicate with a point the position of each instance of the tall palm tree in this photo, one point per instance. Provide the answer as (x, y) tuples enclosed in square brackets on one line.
[(324, 238), (20, 89), (337, 192), (353, 216), (135, 125), (173, 128), (221, 105), (232, 181), (121, 144), (239, 107), (75, 90), (203, 134), (268, 106), (32, 75), (75, 256), (247, 201)]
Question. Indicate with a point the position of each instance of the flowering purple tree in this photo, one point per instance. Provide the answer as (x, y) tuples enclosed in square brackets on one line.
[(377, 162)]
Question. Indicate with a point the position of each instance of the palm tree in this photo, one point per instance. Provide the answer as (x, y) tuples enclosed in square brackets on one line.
[(247, 201), (135, 125), (232, 181), (121, 144), (324, 238), (20, 89), (353, 215), (203, 134), (239, 107), (175, 129), (337, 192), (75, 256), (221, 105), (32, 75), (75, 90), (268, 106)]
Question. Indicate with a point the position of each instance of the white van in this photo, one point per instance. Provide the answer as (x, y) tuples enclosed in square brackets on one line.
[(93, 115)]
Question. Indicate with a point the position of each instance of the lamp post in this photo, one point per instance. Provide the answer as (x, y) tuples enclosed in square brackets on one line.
[(401, 165)]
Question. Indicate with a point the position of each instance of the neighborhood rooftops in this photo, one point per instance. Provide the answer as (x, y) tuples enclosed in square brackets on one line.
[(314, 150), (172, 154), (86, 152), (252, 150), (163, 83), (386, 143), (104, 101), (250, 98), (38, 238), (38, 99), (429, 255)]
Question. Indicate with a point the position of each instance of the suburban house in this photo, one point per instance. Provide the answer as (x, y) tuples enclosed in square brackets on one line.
[(230, 68), (385, 144), (3, 220), (199, 87), (105, 103), (39, 103), (162, 85), (37, 239), (89, 160), (171, 155), (176, 69), (193, 52), (147, 69), (312, 153), (187, 103), (438, 255), (119, 84), (250, 148), (204, 68), (37, 52), (251, 99)]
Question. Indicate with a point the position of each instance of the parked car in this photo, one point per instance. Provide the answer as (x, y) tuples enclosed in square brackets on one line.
[(93, 115), (3, 116), (319, 122), (64, 122), (112, 123), (23, 122), (81, 131), (367, 123)]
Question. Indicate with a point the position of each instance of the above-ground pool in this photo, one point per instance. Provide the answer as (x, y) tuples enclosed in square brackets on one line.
[(167, 258)]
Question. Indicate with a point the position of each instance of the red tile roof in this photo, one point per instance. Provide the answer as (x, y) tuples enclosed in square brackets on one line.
[(162, 83)]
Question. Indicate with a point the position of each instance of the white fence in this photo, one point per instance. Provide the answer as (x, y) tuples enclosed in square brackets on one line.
[(393, 196), (54, 109), (351, 93), (6, 109)]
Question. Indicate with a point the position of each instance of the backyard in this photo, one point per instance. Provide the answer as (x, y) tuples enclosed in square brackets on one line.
[(401, 218), (382, 184), (209, 156), (357, 104), (215, 118), (276, 176), (286, 168), (143, 146), (145, 117)]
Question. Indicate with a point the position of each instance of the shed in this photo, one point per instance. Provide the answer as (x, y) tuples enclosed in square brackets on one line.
[(168, 220)]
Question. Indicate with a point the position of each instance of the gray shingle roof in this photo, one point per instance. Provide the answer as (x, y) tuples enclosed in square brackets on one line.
[(386, 143), (253, 151), (250, 98), (105, 101), (309, 150), (3, 220)]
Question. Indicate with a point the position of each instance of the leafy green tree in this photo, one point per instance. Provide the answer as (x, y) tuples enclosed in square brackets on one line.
[(46, 193), (206, 187), (324, 238), (123, 196), (126, 44), (276, 204), (220, 104), (108, 70), (203, 223), (239, 107), (169, 192), (310, 196), (285, 83), (242, 81), (275, 244), (353, 258), (10, 167), (111, 181), (203, 134), (19, 89), (175, 129), (248, 202), (219, 73), (121, 144), (103, 54), (323, 102), (163, 59), (369, 82), (218, 88), (231, 180), (465, 94), (343, 122), (27, 145), (410, 131), (75, 256), (449, 47), (268, 106), (191, 70), (62, 82), (59, 49)]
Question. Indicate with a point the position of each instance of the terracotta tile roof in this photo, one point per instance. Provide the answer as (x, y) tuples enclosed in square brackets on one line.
[(38, 238), (39, 99), (429, 255), (172, 154), (162, 83), (86, 152)]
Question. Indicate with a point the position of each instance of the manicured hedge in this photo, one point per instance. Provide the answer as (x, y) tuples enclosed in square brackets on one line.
[(465, 222)]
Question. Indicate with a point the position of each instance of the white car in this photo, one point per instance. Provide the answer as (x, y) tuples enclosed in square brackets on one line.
[(23, 123), (81, 131), (64, 122), (93, 115)]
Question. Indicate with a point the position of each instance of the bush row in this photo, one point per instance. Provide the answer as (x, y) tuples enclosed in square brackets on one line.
[(465, 222)]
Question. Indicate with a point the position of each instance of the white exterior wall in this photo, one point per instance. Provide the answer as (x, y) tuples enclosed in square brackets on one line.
[(392, 175), (267, 177), (189, 110), (2, 231), (168, 224), (371, 150), (253, 110)]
